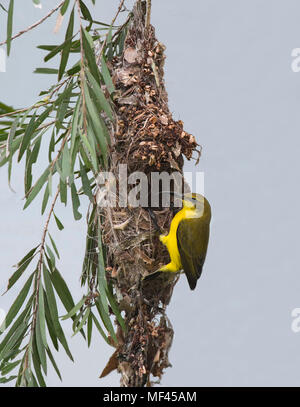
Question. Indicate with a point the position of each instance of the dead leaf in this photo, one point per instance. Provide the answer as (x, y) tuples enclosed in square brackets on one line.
[(59, 20), (112, 365), (157, 356), (127, 76), (177, 150), (164, 120), (131, 55), (130, 100), (172, 162), (144, 257), (122, 226)]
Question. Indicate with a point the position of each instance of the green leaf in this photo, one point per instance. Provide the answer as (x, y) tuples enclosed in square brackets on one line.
[(11, 135), (105, 318), (9, 367), (74, 130), (37, 363), (75, 202), (52, 307), (64, 7), (66, 163), (67, 47), (45, 199), (27, 136), (40, 345), (101, 303), (63, 105), (48, 71), (19, 301), (74, 310), (54, 246), (21, 267), (3, 8), (89, 328), (41, 313), (89, 53), (28, 172), (100, 98), (50, 324), (102, 333), (54, 51), (9, 25), (51, 145), (74, 69), (58, 222), (63, 191), (83, 321), (51, 299), (37, 187), (62, 290), (85, 12), (22, 319), (106, 76), (35, 150), (86, 186), (90, 147), (53, 363), (6, 380), (102, 283), (51, 257), (96, 124), (16, 338)]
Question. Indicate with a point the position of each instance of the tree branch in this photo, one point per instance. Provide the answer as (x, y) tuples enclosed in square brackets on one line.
[(37, 281), (31, 27)]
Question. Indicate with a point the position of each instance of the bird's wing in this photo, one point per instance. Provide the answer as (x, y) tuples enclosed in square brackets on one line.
[(192, 241)]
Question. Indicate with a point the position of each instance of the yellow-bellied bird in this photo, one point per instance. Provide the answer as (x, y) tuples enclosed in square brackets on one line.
[(188, 237)]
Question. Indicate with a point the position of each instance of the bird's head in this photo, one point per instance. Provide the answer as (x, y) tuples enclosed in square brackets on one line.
[(196, 202)]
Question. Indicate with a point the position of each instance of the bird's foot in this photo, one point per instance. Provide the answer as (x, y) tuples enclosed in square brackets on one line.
[(165, 273), (153, 275), (163, 239)]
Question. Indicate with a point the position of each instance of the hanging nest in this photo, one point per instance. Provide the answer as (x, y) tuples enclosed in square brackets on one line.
[(146, 138)]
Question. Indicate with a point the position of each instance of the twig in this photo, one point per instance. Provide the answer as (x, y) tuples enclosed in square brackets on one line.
[(148, 14), (60, 150), (121, 27), (38, 104), (31, 27), (38, 278), (112, 23), (82, 73)]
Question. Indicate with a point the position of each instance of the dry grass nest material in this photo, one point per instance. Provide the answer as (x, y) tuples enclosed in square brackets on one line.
[(147, 139)]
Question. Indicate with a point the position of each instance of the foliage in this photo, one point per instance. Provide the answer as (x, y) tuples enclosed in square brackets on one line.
[(72, 119)]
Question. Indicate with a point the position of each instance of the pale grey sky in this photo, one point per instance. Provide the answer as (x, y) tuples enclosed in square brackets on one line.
[(229, 78)]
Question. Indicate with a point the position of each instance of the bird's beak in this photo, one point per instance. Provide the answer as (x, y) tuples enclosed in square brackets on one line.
[(187, 204)]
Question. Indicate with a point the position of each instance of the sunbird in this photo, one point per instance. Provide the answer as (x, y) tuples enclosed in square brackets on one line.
[(187, 239)]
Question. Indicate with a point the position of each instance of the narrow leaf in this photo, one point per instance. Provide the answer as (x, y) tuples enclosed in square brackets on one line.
[(66, 49), (75, 202), (9, 25), (19, 301)]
